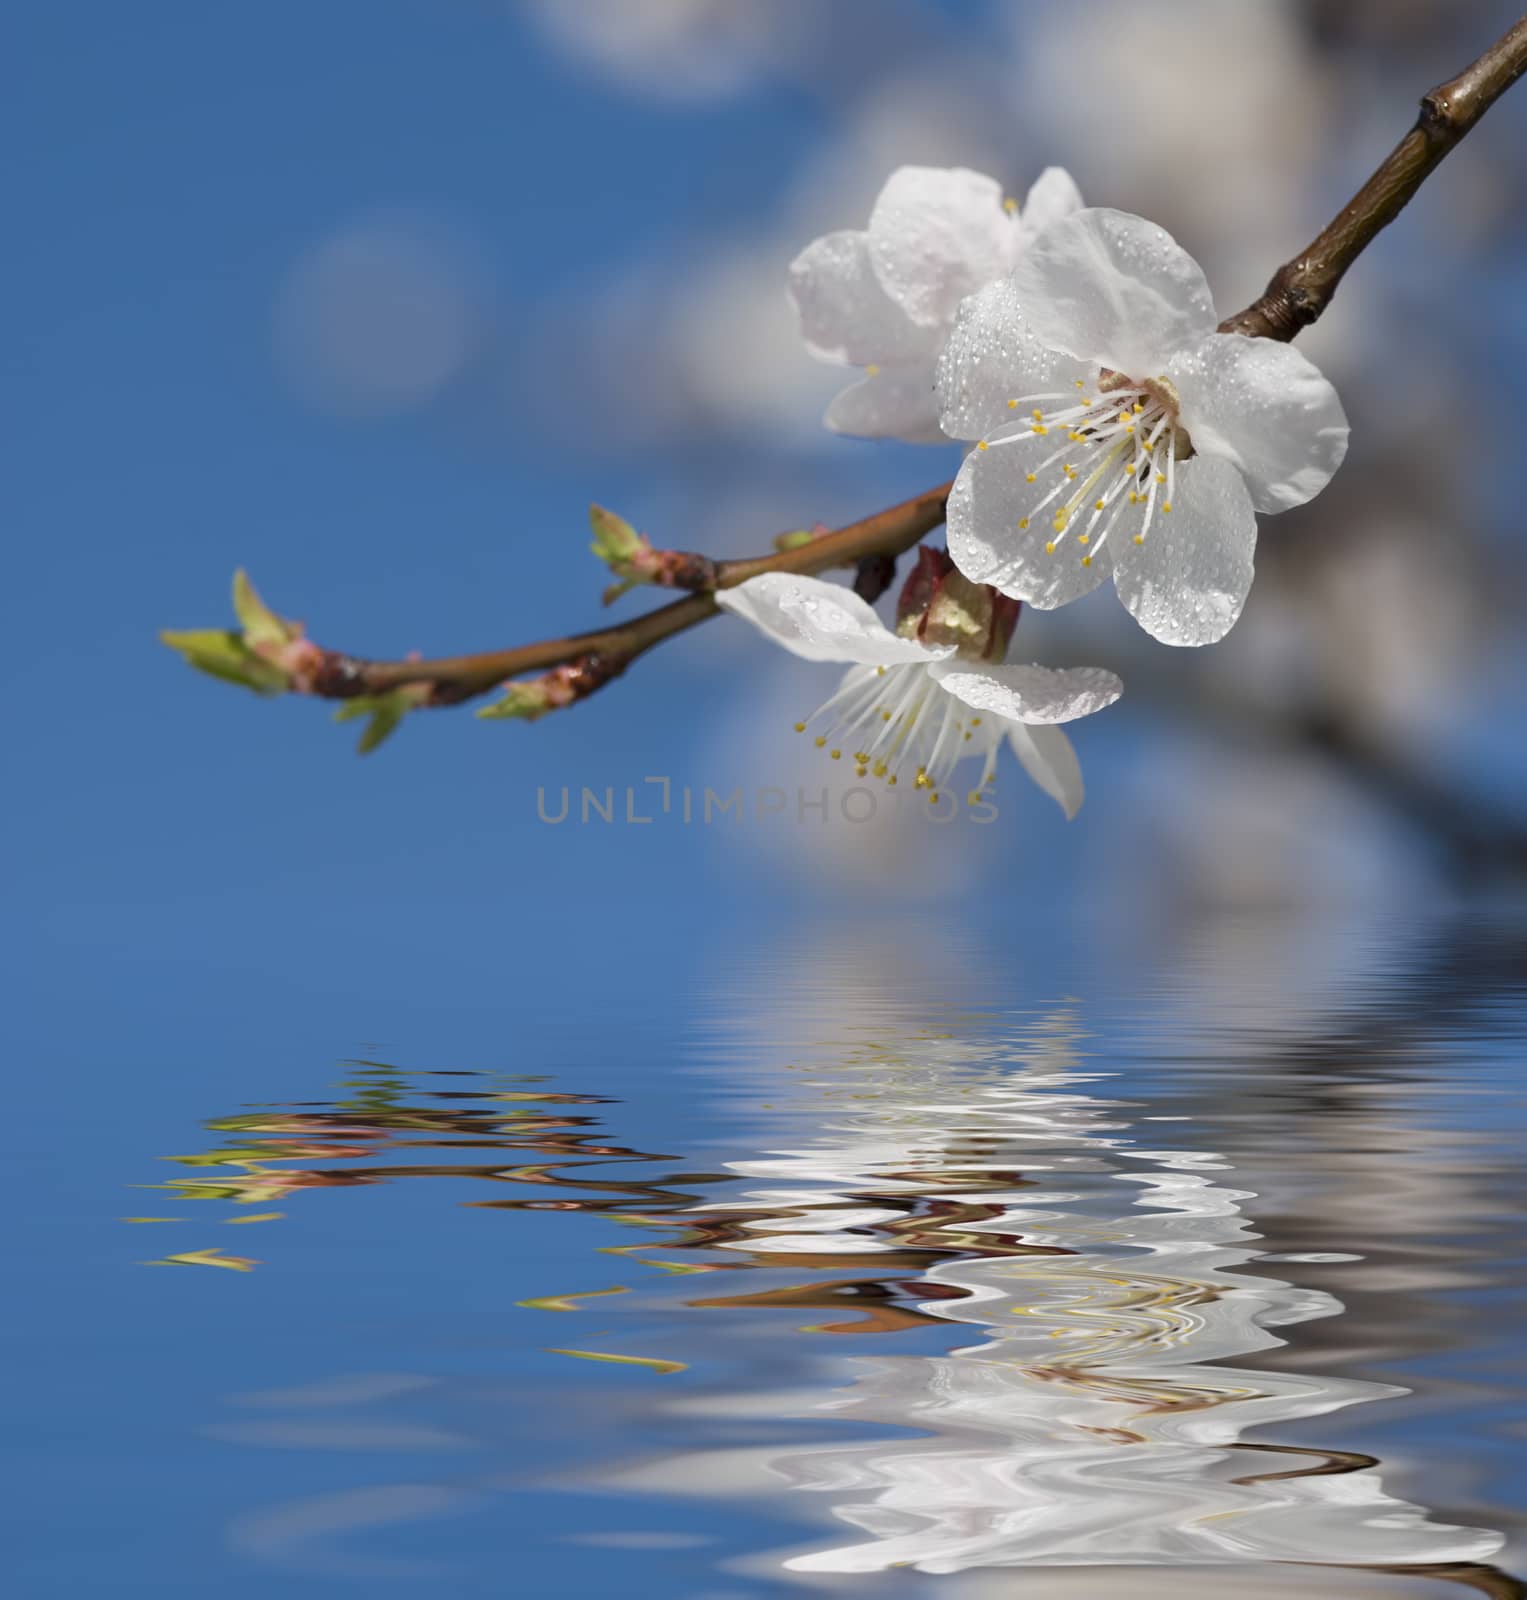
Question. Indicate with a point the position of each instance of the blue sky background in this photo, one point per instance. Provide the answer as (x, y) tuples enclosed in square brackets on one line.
[(177, 162)]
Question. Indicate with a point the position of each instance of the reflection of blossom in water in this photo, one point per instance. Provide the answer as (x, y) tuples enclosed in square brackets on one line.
[(938, 1169), (1100, 1420)]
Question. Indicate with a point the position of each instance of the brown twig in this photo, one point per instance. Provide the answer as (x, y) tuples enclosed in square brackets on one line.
[(1476, 1575), (1299, 292), (606, 652), (1302, 288)]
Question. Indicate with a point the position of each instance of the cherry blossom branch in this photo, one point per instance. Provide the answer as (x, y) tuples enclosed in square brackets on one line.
[(595, 657), (271, 654), (1302, 288)]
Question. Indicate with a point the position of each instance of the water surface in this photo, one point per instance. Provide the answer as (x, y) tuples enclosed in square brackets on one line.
[(850, 1269)]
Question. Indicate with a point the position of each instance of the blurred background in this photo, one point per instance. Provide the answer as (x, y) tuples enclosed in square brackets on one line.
[(373, 299)]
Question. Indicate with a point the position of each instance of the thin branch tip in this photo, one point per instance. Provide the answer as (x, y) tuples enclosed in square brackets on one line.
[(1301, 289)]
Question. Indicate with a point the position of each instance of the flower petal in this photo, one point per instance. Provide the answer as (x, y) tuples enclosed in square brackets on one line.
[(1187, 583), (1112, 288), (1048, 758), (991, 497), (1053, 195), (846, 317), (936, 235), (898, 403), (1267, 408), (994, 356), (819, 621), (1029, 693)]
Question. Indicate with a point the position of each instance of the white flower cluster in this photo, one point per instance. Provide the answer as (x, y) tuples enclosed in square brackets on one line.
[(1115, 433)]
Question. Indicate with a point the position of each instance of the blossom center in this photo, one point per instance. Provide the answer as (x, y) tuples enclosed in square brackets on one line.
[(1114, 466), (901, 725)]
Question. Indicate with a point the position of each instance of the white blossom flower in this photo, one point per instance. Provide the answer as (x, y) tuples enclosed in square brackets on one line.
[(1119, 433), (916, 702), (884, 297)]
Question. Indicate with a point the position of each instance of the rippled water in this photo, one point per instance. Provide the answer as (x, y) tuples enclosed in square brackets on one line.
[(849, 1265)]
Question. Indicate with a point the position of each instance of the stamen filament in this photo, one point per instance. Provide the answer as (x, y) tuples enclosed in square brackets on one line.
[(1123, 430), (899, 719)]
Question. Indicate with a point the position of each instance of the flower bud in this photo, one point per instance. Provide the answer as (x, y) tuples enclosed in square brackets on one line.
[(939, 605)]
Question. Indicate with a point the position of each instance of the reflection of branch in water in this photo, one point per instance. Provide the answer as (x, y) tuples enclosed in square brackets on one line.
[(935, 1205), (1326, 1462), (921, 1221), (377, 1117), (1479, 1576)]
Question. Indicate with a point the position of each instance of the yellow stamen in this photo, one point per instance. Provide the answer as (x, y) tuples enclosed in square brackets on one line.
[(1029, 477), (1037, 414), (1086, 561), (821, 741), (800, 727), (837, 755), (872, 370), (981, 444), (1023, 523), (1012, 405), (1166, 505)]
